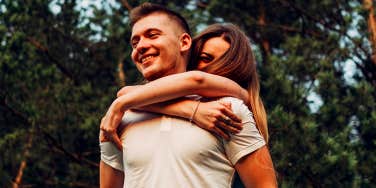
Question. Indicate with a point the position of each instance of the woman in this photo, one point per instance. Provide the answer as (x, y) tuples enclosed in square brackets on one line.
[(219, 50)]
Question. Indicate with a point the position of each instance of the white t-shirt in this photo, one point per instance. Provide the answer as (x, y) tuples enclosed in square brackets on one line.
[(165, 151)]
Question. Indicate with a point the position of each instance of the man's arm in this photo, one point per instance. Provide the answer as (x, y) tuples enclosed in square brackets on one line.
[(256, 169), (110, 177), (248, 152), (111, 165)]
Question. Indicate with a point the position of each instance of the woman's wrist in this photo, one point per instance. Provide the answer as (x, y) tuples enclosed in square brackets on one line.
[(187, 108), (118, 105), (194, 111)]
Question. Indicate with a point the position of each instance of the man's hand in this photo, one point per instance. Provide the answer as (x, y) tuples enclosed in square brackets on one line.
[(217, 117)]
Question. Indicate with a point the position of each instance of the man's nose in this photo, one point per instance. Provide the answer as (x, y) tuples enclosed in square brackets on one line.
[(142, 46)]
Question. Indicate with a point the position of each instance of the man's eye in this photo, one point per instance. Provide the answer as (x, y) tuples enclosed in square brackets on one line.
[(134, 44), (153, 35)]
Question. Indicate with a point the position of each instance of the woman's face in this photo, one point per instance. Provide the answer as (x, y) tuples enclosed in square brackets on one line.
[(213, 49)]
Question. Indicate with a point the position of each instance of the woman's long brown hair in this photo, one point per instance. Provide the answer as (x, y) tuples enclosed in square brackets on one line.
[(237, 63)]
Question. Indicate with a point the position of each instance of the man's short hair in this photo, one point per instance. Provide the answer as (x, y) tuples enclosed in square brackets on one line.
[(146, 9)]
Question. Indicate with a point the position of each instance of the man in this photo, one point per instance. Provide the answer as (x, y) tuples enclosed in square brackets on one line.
[(168, 55), (158, 153)]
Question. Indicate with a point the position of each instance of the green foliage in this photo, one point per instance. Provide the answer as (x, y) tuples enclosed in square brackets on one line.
[(59, 73)]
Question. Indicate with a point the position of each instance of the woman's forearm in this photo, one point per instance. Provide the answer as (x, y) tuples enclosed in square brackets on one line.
[(210, 116), (178, 85), (180, 107)]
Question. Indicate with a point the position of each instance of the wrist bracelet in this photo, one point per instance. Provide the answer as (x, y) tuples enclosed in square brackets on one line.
[(194, 112)]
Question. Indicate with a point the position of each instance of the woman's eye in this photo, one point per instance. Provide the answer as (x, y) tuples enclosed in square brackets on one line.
[(205, 59)]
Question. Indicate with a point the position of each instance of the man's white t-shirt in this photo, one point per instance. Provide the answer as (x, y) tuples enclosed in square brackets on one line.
[(165, 151)]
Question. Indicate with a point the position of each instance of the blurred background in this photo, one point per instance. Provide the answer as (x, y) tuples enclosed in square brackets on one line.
[(62, 62)]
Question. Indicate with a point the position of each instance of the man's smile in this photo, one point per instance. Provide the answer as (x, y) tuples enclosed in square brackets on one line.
[(145, 58)]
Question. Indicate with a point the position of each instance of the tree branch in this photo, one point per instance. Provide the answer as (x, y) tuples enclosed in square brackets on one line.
[(50, 139), (59, 148), (323, 23), (45, 51), (369, 73), (126, 5)]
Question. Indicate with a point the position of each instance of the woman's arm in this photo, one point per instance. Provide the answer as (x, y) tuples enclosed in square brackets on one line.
[(208, 115), (179, 85), (166, 88), (256, 169)]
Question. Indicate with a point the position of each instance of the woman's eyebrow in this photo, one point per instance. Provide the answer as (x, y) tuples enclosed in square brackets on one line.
[(205, 53)]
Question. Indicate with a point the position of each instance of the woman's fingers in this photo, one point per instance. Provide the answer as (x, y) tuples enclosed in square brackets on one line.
[(228, 112), (217, 117), (116, 140), (228, 128), (103, 137), (221, 133), (230, 123), (238, 126), (231, 115), (230, 119), (108, 133)]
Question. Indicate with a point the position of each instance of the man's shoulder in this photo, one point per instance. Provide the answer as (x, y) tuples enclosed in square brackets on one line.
[(232, 100), (132, 116)]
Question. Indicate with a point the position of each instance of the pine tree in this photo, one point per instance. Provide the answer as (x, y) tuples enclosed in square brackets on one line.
[(61, 64)]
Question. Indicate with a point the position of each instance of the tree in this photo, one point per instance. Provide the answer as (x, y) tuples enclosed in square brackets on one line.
[(60, 63), (56, 81)]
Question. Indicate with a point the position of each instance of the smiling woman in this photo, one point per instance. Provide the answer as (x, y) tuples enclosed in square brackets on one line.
[(212, 50)]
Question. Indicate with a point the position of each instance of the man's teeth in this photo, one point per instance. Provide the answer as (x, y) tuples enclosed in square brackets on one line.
[(146, 58)]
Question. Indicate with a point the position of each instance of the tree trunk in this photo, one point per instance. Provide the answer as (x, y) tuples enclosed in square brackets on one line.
[(18, 179), (368, 5), (264, 41)]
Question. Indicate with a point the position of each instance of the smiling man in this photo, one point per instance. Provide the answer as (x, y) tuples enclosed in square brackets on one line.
[(161, 45), (161, 48), (165, 151)]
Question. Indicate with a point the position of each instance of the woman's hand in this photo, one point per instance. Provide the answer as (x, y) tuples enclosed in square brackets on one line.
[(217, 117), (110, 123), (102, 136)]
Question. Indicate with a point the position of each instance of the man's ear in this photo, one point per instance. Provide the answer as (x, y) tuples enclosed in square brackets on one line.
[(185, 42)]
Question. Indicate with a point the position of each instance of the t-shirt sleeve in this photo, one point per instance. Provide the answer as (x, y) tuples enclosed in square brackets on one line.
[(249, 139), (109, 152), (111, 155)]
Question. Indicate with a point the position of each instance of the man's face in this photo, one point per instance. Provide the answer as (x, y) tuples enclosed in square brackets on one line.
[(156, 46)]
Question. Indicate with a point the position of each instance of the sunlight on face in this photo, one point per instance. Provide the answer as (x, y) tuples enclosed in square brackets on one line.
[(213, 49)]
